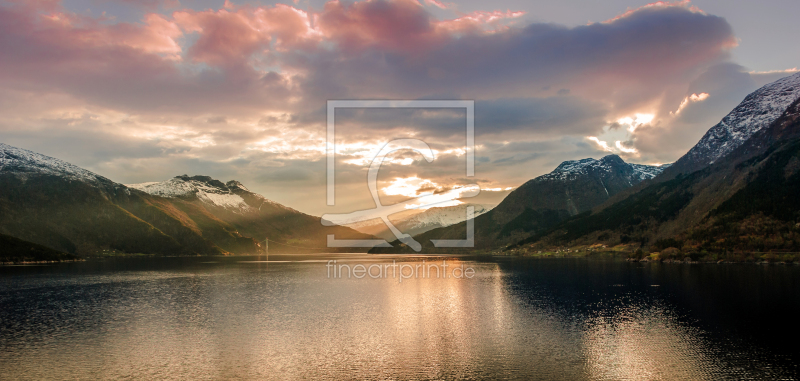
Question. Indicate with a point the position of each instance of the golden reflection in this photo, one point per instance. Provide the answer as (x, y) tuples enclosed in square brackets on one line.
[(647, 344)]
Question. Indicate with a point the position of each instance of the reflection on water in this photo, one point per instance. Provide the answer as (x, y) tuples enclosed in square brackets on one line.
[(518, 318), (646, 344)]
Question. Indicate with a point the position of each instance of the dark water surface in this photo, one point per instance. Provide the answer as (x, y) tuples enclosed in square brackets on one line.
[(516, 318)]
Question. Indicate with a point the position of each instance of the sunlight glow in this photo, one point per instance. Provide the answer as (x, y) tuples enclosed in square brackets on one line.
[(446, 198), (429, 194), (636, 121), (410, 187), (688, 100), (600, 143)]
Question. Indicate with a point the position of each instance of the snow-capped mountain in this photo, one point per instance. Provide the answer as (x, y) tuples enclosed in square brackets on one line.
[(53, 203), (232, 196), (414, 222), (737, 205), (574, 187), (758, 110), (56, 204), (575, 169), (21, 161)]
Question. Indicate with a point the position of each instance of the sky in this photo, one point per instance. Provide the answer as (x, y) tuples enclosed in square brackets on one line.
[(142, 91)]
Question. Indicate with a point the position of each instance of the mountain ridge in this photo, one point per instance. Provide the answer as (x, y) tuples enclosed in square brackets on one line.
[(50, 202), (742, 203), (757, 111), (573, 187)]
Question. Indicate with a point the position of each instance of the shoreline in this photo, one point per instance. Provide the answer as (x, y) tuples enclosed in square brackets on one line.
[(40, 262)]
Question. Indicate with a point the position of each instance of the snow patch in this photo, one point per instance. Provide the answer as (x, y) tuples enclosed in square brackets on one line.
[(180, 188), (574, 169), (756, 112), (18, 160)]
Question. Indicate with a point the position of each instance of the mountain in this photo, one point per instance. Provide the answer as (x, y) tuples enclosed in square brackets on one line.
[(55, 204), (58, 205), (414, 222), (742, 204), (757, 111), (244, 212), (574, 187), (15, 250)]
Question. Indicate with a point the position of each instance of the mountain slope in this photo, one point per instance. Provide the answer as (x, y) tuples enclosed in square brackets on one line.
[(573, 187), (757, 111), (58, 205), (745, 202), (231, 205)]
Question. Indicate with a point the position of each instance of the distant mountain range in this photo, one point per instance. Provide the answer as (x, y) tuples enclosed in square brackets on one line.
[(53, 203), (573, 187), (414, 222), (734, 190)]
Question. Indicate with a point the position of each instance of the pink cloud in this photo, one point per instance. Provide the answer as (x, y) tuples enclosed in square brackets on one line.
[(394, 25), (46, 21), (152, 4), (268, 70), (476, 21), (127, 66), (439, 4), (342, 50), (399, 25), (232, 35), (157, 35), (225, 37)]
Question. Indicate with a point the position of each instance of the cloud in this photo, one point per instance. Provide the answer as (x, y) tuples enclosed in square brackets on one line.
[(243, 88), (363, 49), (232, 37), (672, 133), (602, 144), (691, 99)]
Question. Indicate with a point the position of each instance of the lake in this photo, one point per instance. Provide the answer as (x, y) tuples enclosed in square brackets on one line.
[(300, 316)]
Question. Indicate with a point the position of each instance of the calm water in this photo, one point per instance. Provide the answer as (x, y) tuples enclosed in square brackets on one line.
[(516, 318)]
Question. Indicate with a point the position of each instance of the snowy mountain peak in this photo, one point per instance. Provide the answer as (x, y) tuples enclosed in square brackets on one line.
[(756, 112), (647, 172), (572, 169), (22, 161), (204, 188)]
